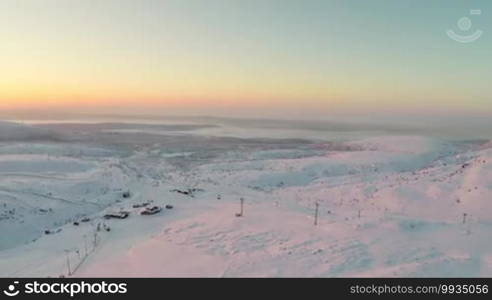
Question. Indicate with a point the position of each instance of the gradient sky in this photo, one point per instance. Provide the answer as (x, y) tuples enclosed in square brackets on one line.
[(279, 57)]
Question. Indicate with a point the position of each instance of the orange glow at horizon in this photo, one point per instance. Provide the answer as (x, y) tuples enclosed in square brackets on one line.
[(191, 56)]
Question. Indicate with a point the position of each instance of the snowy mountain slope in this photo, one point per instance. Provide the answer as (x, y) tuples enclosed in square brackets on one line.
[(388, 206), (406, 228)]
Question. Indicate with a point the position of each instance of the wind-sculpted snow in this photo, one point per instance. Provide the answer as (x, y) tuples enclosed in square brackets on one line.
[(388, 205), (365, 157)]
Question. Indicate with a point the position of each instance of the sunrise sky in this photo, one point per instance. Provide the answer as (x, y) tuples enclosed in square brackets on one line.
[(304, 58)]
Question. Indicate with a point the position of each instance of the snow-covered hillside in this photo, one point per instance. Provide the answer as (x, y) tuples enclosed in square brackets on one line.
[(387, 205)]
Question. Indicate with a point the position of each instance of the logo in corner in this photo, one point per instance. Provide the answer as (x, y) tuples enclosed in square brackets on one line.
[(465, 24), (11, 291)]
